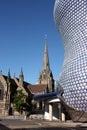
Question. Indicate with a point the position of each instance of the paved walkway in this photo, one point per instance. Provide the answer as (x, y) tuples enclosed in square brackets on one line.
[(35, 123)]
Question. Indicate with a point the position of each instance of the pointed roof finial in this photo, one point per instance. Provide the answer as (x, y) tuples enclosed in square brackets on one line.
[(45, 36), (9, 73), (21, 73), (14, 75), (46, 48), (21, 76), (0, 71)]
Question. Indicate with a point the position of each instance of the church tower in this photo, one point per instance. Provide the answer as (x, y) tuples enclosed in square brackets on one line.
[(46, 77)]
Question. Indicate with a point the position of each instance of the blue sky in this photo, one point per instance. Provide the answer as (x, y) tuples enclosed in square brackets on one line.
[(23, 25)]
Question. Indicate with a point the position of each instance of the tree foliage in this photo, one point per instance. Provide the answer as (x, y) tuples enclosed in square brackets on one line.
[(20, 101)]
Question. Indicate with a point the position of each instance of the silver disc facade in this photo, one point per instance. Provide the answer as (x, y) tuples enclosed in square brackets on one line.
[(71, 21)]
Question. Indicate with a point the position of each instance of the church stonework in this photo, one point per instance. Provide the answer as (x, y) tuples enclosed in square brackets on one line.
[(46, 76), (4, 95), (8, 87)]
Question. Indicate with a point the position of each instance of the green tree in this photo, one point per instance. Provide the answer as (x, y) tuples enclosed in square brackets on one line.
[(19, 101)]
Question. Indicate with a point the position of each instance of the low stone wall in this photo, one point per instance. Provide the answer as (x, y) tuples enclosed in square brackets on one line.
[(36, 116), (12, 117)]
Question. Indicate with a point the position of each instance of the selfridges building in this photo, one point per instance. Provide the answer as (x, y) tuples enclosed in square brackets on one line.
[(71, 21)]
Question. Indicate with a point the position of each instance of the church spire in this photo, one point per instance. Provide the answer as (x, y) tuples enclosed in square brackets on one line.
[(9, 76), (46, 77), (21, 73), (21, 78), (46, 65)]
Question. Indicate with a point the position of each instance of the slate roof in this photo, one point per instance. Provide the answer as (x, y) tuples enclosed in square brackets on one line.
[(37, 88)]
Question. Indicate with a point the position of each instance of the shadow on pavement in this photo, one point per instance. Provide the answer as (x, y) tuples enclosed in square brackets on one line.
[(2, 127), (56, 128), (52, 128)]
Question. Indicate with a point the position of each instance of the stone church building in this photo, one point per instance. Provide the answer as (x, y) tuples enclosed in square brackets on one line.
[(9, 86)]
